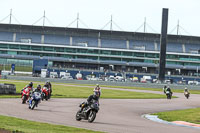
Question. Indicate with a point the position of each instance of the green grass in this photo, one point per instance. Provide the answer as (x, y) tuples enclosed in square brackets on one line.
[(63, 91), (189, 115), (16, 124), (152, 89), (17, 68)]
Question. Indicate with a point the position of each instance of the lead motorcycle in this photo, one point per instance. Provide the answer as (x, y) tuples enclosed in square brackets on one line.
[(88, 111), (35, 99)]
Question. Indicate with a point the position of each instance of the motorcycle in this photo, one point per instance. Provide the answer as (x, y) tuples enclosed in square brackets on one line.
[(45, 93), (187, 94), (169, 94), (25, 95), (87, 111), (35, 99)]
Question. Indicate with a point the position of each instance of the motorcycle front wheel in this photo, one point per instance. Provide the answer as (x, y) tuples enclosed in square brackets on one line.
[(23, 99), (78, 118), (92, 116), (33, 104)]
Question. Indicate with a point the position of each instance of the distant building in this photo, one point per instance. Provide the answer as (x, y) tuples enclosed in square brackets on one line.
[(94, 49)]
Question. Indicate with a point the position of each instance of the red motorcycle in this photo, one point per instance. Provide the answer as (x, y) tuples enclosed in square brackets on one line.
[(45, 93), (25, 94)]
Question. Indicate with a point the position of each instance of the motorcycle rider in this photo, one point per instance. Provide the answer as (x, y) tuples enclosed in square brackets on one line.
[(38, 89), (97, 89), (29, 86), (49, 86), (94, 96), (164, 89), (186, 91), (169, 89)]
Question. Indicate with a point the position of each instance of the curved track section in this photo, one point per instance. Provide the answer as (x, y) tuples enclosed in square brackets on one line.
[(115, 115)]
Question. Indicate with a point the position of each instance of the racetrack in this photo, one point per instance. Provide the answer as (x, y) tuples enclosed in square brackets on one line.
[(115, 115)]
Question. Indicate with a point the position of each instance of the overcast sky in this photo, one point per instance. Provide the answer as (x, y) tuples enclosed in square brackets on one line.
[(127, 14)]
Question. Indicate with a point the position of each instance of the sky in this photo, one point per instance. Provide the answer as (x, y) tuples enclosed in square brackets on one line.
[(127, 15)]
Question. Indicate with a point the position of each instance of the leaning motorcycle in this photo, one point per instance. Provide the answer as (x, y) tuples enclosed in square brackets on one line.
[(88, 111), (45, 93), (25, 95), (187, 94), (35, 99), (169, 94)]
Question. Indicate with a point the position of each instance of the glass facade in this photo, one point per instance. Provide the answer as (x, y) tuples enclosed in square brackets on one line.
[(100, 54)]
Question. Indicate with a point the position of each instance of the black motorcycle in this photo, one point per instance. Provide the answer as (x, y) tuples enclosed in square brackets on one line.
[(87, 111), (169, 94), (187, 94)]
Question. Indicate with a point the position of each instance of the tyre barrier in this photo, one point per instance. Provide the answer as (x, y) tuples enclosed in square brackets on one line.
[(7, 89)]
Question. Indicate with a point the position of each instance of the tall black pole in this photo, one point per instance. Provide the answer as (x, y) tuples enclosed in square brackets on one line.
[(163, 43)]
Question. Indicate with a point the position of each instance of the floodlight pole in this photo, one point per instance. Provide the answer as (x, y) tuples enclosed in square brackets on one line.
[(111, 23), (144, 24), (177, 27), (44, 19), (10, 16), (77, 19)]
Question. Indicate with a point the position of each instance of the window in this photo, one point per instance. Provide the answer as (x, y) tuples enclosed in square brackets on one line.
[(25, 40), (14, 46), (25, 47), (36, 48), (3, 46), (48, 49)]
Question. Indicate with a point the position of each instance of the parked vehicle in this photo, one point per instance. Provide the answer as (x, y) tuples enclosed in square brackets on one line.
[(193, 82), (87, 111), (135, 79), (79, 76), (53, 75), (120, 78), (148, 79), (111, 78)]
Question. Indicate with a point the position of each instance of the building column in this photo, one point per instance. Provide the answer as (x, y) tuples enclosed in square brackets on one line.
[(155, 46), (127, 44), (183, 48), (70, 40), (14, 37), (42, 38), (99, 42)]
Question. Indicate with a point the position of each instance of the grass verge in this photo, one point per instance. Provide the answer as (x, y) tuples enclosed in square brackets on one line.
[(64, 91), (20, 125), (188, 115)]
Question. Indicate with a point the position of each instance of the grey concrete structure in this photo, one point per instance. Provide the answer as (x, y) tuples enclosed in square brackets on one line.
[(7, 89)]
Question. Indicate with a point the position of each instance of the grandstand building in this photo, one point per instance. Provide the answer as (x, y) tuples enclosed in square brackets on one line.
[(97, 49)]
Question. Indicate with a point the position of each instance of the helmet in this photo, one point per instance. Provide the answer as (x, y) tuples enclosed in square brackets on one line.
[(165, 86), (39, 87), (185, 88), (31, 84), (97, 85), (47, 83)]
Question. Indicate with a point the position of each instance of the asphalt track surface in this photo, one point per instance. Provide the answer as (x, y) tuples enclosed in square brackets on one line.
[(115, 115)]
